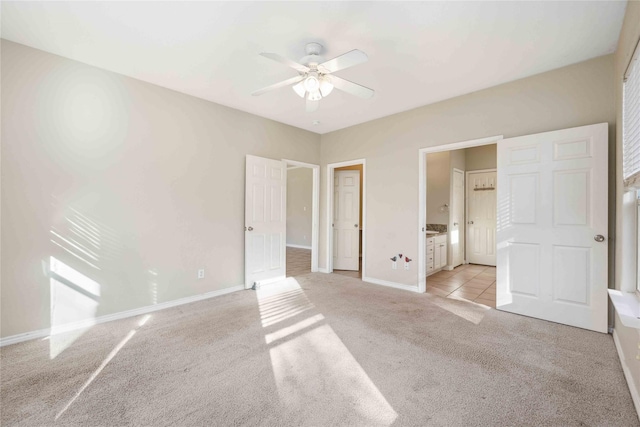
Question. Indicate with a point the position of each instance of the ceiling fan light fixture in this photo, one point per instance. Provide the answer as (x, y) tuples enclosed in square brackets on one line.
[(311, 83), (314, 96), (315, 79), (299, 89), (325, 86)]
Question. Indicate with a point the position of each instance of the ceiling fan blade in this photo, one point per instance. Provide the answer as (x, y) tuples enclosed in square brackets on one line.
[(341, 62), (351, 87), (287, 82), (289, 63), (312, 106)]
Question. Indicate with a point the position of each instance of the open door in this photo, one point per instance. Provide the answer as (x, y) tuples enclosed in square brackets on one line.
[(265, 220), (552, 226)]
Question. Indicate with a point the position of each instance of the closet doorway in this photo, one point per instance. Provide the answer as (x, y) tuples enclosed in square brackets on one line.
[(346, 218)]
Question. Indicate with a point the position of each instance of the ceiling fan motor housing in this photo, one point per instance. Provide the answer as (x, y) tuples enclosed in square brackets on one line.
[(313, 58)]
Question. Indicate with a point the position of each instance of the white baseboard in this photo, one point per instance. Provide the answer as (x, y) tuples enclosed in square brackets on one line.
[(323, 270), (289, 245), (271, 281), (635, 393), (391, 284), (58, 329)]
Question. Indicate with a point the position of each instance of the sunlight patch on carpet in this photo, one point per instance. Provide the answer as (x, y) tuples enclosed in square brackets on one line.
[(310, 360), (104, 363), (467, 310)]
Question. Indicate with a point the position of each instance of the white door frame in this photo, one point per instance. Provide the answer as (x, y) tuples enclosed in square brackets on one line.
[(422, 196), (315, 209), (330, 172), (449, 265), (466, 206)]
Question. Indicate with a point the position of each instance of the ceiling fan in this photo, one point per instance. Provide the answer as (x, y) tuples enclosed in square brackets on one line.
[(315, 79)]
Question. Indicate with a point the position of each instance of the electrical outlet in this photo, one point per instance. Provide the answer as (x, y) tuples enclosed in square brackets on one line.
[(201, 273), (394, 265), (406, 265)]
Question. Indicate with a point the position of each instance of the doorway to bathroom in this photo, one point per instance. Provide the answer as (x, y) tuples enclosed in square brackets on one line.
[(459, 222)]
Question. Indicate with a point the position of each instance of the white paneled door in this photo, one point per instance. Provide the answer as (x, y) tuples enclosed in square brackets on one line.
[(265, 220), (481, 217), (346, 220), (552, 226)]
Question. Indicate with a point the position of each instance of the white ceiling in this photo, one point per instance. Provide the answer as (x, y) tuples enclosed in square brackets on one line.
[(419, 52)]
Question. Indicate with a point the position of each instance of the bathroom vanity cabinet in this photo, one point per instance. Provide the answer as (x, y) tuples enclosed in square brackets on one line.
[(436, 250)]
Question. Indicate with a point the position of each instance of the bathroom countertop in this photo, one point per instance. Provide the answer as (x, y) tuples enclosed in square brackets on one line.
[(444, 233)]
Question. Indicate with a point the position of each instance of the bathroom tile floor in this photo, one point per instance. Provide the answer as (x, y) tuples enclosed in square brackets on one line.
[(469, 282)]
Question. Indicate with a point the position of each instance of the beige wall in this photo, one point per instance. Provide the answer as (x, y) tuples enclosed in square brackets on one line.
[(299, 204), (482, 157), (439, 177), (133, 186), (576, 95), (438, 184), (458, 160), (628, 338)]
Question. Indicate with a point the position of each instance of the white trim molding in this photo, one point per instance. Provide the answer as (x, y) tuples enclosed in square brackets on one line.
[(87, 323), (635, 393), (390, 284)]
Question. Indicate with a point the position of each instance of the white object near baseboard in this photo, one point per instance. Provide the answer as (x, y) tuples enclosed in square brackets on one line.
[(627, 305), (59, 329)]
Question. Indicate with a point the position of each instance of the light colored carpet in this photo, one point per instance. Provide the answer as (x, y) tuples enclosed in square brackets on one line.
[(329, 351)]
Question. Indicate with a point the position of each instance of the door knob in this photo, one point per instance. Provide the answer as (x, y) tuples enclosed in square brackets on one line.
[(250, 228), (355, 225), (455, 224), (470, 222), (599, 238)]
